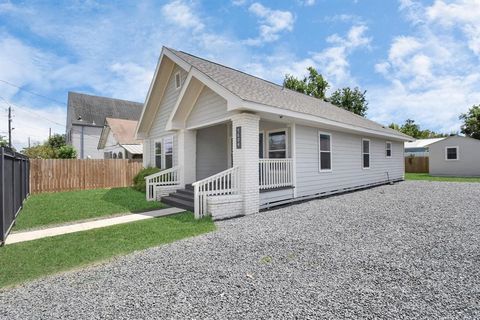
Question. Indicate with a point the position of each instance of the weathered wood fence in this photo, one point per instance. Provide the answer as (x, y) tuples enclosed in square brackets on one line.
[(416, 165), (14, 188), (53, 175)]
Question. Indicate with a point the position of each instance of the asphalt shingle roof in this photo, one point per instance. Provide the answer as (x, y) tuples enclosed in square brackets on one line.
[(254, 89), (93, 110)]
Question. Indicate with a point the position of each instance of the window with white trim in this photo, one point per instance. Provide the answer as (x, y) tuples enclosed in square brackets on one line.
[(277, 144), (365, 153), (178, 80), (164, 153), (158, 154), (168, 148), (388, 149), (325, 147), (451, 153)]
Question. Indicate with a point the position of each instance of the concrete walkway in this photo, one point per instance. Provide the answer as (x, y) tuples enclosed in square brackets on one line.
[(50, 232)]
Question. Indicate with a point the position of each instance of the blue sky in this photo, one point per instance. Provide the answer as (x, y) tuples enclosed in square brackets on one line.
[(416, 59)]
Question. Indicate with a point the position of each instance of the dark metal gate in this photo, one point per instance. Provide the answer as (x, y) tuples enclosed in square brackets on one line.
[(14, 188)]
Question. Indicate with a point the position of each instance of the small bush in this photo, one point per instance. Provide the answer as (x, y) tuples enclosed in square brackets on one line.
[(139, 179)]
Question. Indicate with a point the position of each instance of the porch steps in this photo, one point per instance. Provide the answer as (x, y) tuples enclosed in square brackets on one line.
[(182, 198)]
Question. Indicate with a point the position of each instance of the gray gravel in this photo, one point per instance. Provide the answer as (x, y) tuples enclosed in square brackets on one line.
[(405, 251)]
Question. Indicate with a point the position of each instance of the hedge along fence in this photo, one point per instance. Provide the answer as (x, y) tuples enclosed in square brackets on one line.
[(416, 164), (14, 188), (54, 175)]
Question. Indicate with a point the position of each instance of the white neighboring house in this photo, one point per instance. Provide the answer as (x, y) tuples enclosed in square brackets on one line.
[(86, 116), (117, 140), (231, 143), (455, 156), (419, 147)]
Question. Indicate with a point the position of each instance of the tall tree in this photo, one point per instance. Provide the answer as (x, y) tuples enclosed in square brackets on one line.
[(56, 141), (412, 129), (351, 100), (314, 84), (471, 122), (3, 142)]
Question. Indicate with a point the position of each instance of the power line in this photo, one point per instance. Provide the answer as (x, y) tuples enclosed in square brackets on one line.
[(32, 92)]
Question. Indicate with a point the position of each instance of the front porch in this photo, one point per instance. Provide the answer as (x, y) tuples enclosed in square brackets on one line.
[(239, 166)]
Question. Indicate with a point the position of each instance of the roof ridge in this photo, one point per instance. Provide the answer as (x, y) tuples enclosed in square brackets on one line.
[(273, 83), (102, 97)]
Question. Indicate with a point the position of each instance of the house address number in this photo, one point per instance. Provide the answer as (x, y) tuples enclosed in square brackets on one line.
[(238, 131)]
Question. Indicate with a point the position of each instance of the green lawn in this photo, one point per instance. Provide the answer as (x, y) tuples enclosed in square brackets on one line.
[(55, 208), (426, 176), (33, 259)]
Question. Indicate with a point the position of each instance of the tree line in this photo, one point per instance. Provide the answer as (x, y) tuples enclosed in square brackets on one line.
[(354, 100)]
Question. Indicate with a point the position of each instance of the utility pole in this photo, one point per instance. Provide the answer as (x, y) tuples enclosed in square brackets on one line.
[(10, 126), (29, 142), (49, 133)]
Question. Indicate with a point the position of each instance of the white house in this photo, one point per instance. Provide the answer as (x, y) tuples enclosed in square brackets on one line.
[(117, 140), (455, 156), (85, 119), (419, 148), (232, 144)]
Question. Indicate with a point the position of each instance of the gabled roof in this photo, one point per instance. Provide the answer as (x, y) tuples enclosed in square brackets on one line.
[(123, 130), (422, 143), (253, 89), (84, 109)]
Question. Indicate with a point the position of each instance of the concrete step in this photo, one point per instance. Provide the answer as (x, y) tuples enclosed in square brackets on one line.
[(179, 203), (186, 192), (183, 196)]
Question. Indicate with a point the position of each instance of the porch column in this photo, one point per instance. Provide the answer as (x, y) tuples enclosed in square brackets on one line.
[(245, 156), (187, 152)]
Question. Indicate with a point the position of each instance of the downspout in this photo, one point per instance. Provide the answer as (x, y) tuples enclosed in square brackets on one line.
[(81, 144)]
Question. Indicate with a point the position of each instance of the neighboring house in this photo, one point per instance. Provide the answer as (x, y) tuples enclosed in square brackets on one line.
[(117, 140), (247, 144), (85, 119), (419, 148), (455, 156)]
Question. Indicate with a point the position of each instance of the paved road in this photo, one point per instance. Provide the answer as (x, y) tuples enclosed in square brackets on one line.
[(411, 250)]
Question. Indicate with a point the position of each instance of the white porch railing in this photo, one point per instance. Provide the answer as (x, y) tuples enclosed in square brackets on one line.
[(224, 183), (275, 173), (168, 177)]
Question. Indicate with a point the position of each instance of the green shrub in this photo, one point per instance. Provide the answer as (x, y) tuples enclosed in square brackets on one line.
[(139, 179)]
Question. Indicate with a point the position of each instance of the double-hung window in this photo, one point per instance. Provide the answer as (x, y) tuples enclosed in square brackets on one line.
[(451, 153), (388, 149), (164, 153), (277, 144), (365, 153), (325, 147)]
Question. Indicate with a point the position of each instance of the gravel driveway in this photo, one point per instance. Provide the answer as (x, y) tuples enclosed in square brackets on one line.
[(411, 250)]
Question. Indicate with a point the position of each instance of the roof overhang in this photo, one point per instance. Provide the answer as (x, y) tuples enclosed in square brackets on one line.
[(103, 136), (192, 88)]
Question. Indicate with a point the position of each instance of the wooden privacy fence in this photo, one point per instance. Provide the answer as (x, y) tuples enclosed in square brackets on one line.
[(52, 175), (416, 165)]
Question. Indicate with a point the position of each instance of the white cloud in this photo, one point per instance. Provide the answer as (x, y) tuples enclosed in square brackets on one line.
[(433, 75), (333, 61), (307, 3), (182, 15), (272, 23), (464, 14), (239, 2)]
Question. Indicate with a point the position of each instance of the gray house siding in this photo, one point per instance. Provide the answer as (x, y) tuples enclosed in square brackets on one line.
[(212, 150), (161, 118), (91, 136), (468, 163), (209, 107), (347, 171)]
